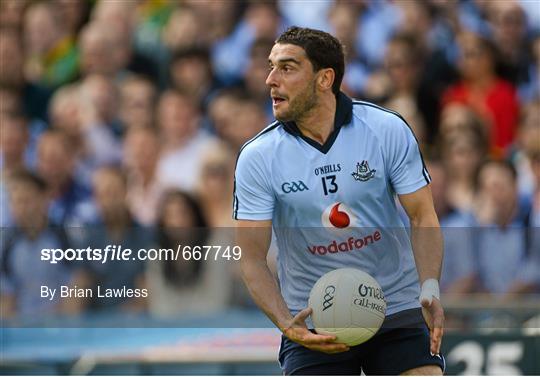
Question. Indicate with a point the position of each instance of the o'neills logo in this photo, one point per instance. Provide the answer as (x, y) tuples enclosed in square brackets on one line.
[(368, 290), (349, 245)]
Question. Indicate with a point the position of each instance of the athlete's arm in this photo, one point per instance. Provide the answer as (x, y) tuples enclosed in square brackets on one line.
[(254, 239), (426, 235), (427, 245)]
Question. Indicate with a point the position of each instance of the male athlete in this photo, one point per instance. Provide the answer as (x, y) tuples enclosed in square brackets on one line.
[(325, 171)]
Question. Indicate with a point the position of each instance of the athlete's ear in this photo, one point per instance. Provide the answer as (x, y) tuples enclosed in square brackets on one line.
[(325, 79)]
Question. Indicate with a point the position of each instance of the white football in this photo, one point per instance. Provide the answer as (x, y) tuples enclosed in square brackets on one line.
[(348, 303)]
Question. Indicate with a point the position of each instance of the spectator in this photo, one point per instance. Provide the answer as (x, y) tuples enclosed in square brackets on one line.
[(33, 129), (343, 18), (56, 166), (33, 98), (217, 19), (236, 117), (141, 153), (13, 145), (73, 13), (530, 91), (214, 187), (64, 112), (118, 20), (529, 281), (183, 29), (403, 62), (114, 226), (23, 274), (463, 148), (458, 276), (230, 55), (150, 20), (501, 240), (186, 285), (51, 54), (98, 105), (81, 112), (191, 73), (9, 101), (378, 22), (184, 142), (508, 24), (12, 13), (95, 44), (527, 144), (137, 101), (489, 96), (223, 109), (256, 72)]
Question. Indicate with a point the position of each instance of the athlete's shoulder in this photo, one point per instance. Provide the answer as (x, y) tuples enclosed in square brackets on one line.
[(379, 119), (371, 112), (262, 142)]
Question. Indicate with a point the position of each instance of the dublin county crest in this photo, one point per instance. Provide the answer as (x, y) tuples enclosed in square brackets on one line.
[(363, 172)]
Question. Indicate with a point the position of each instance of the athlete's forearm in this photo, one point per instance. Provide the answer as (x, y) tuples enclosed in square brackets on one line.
[(265, 292), (254, 238), (426, 237), (427, 243)]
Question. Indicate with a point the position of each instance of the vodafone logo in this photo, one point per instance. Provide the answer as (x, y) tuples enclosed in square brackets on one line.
[(337, 215)]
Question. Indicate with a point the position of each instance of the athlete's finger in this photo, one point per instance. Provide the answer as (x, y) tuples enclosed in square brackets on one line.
[(302, 315), (311, 338), (436, 339), (330, 347)]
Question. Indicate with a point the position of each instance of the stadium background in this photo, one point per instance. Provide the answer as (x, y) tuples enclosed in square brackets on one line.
[(130, 115)]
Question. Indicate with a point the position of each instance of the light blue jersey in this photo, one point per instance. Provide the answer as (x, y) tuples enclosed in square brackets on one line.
[(333, 205)]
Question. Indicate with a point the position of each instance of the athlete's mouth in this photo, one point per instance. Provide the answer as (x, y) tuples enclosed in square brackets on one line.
[(276, 100)]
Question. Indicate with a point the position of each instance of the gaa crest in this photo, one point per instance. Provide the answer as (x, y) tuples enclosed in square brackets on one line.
[(363, 172)]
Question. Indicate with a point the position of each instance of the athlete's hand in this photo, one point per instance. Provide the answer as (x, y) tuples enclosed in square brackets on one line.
[(434, 316), (298, 332)]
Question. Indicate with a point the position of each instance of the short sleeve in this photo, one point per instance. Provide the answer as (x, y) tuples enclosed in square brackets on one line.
[(405, 166), (253, 196)]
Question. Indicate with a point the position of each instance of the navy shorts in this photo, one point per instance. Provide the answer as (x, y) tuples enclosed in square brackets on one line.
[(401, 344)]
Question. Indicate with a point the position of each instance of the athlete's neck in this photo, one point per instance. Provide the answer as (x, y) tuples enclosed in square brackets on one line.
[(318, 123)]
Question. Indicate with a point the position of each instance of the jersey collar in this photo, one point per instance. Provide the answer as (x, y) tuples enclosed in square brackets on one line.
[(343, 116)]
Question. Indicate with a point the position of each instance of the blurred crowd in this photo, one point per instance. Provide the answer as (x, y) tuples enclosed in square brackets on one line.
[(119, 115)]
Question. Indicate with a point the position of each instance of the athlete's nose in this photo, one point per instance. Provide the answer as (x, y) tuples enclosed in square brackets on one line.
[(271, 79)]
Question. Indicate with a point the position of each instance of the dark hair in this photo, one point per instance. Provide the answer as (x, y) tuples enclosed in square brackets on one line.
[(412, 45), (27, 177), (322, 49), (191, 202), (190, 52), (261, 47), (501, 164), (193, 236)]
